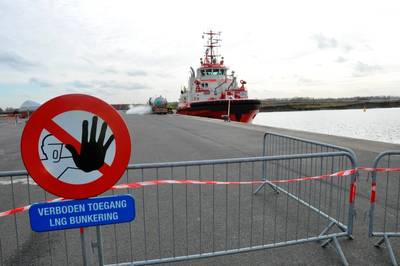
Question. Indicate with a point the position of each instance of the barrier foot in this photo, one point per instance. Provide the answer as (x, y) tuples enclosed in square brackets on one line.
[(386, 240), (326, 242), (339, 250), (263, 184), (326, 229), (379, 243)]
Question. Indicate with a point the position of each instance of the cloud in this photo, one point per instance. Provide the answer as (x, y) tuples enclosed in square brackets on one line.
[(135, 73), (103, 92), (110, 70), (324, 42), (303, 80), (299, 80), (347, 48), (40, 82), (163, 74), (119, 85), (340, 59), (87, 60), (79, 84), (15, 61), (362, 69), (110, 84)]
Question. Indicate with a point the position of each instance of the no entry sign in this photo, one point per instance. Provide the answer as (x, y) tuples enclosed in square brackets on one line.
[(76, 146)]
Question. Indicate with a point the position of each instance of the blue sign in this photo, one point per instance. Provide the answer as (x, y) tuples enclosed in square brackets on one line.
[(81, 213)]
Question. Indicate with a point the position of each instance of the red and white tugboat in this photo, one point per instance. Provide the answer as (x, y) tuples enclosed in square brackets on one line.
[(214, 93)]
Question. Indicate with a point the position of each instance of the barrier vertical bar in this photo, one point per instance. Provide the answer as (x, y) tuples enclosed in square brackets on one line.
[(200, 209), (352, 197), (48, 236), (99, 246), (173, 214), (83, 245), (252, 205), (15, 217), (130, 224), (66, 247), (213, 209), (144, 218), (186, 214), (1, 254), (158, 215), (115, 237)]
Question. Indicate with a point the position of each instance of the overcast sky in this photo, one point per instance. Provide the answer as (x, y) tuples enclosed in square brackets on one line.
[(128, 51)]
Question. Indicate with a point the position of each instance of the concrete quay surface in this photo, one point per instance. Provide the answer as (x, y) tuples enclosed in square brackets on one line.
[(170, 138)]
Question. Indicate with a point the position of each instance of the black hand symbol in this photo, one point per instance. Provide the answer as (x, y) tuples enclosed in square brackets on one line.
[(92, 153)]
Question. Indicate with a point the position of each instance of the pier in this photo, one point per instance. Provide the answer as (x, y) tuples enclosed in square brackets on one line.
[(173, 138)]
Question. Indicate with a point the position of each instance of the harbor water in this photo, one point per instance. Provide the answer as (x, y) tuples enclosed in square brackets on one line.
[(381, 124)]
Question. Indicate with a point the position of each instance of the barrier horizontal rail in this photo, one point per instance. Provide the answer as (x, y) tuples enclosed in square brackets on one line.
[(274, 144)]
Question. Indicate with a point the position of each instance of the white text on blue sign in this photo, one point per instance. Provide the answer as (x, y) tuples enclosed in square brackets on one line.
[(81, 213)]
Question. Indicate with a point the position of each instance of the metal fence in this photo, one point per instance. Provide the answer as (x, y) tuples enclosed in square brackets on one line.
[(177, 222), (384, 213)]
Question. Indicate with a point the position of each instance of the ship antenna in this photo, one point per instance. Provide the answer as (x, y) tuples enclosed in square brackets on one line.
[(212, 43)]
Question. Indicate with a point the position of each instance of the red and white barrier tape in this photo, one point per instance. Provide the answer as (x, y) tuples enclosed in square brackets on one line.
[(378, 170), (209, 182), (24, 208), (373, 185)]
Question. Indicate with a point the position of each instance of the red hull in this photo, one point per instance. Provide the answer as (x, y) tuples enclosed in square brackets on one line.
[(240, 110)]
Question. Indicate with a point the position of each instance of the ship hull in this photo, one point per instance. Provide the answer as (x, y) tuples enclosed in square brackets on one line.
[(240, 110)]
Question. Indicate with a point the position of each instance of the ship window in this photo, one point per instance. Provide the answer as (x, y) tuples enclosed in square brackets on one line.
[(202, 72), (222, 71), (216, 72), (202, 84), (208, 71)]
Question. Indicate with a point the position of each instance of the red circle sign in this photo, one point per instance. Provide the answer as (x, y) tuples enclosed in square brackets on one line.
[(76, 146)]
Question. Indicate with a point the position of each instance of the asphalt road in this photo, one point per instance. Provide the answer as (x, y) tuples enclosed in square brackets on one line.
[(167, 138)]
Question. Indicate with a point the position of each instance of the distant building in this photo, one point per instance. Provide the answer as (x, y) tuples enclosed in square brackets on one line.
[(29, 106)]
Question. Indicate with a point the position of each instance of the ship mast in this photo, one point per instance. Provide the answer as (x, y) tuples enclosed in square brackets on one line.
[(213, 38)]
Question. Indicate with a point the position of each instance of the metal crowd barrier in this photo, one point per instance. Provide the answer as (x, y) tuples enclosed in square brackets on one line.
[(182, 222), (384, 213)]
